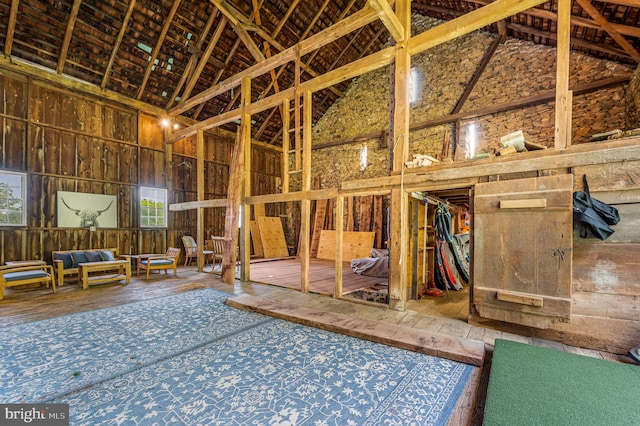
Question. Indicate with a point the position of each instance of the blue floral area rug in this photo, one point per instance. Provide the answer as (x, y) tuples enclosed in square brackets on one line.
[(245, 370), (43, 359)]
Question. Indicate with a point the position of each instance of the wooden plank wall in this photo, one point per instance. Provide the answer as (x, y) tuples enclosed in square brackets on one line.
[(70, 142), (606, 288)]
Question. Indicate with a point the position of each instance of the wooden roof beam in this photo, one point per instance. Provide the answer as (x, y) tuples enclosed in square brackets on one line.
[(576, 42), (244, 22), (468, 22), (116, 46), (19, 66), (478, 73), (547, 14), (313, 55), (335, 62), (389, 19), (242, 33), (622, 42), (284, 19), (188, 71), (64, 49), (205, 58), (346, 72), (11, 26), (274, 77), (630, 3), (156, 49), (308, 62), (218, 76), (359, 19)]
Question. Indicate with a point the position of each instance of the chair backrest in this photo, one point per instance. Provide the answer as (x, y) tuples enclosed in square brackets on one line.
[(217, 244), (190, 246), (173, 252)]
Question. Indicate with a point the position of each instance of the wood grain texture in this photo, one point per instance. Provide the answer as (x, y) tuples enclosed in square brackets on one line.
[(272, 236), (355, 245), (524, 250), (462, 350)]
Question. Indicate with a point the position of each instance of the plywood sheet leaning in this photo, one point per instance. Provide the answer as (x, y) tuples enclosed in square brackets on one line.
[(318, 226), (272, 236), (256, 240), (258, 210), (355, 245)]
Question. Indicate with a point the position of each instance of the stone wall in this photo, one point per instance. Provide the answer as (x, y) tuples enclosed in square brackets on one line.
[(633, 101), (518, 69)]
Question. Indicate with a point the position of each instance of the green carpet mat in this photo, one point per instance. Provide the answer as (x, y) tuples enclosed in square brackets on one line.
[(529, 385)]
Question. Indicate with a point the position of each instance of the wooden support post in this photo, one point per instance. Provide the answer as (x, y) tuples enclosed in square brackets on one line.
[(286, 144), (245, 211), (399, 207), (200, 191), (305, 220), (236, 188), (563, 124), (337, 291), (296, 110), (168, 156), (397, 249)]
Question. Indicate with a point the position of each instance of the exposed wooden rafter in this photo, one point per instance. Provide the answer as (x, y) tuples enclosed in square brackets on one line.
[(156, 49), (71, 23), (575, 42), (482, 66), (205, 58), (243, 22), (389, 19), (11, 27), (236, 24), (307, 62), (347, 25), (469, 22), (116, 46), (218, 76), (588, 7), (188, 70), (552, 16)]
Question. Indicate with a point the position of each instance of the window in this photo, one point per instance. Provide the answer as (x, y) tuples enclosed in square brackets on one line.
[(364, 157), (414, 85), (13, 196), (153, 208)]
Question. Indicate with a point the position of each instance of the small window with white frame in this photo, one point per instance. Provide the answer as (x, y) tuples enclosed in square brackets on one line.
[(13, 198), (153, 208)]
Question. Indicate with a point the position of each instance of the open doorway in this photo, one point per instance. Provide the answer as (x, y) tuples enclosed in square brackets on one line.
[(440, 226)]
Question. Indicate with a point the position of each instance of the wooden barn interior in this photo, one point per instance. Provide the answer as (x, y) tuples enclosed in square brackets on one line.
[(422, 139)]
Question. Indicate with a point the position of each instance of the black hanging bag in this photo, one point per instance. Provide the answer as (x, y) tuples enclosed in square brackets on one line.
[(593, 214)]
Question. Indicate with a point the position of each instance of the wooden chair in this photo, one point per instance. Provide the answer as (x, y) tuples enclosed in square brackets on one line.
[(161, 262), (218, 250), (191, 250), (217, 244), (26, 273)]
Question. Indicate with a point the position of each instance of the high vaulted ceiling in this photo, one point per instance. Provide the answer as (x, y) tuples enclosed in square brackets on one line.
[(162, 52)]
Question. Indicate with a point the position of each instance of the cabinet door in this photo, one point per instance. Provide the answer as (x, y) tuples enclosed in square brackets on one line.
[(523, 249)]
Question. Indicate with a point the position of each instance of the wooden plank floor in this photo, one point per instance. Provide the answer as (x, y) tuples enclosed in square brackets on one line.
[(441, 345), (286, 273)]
